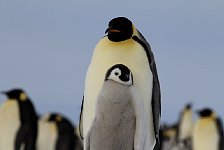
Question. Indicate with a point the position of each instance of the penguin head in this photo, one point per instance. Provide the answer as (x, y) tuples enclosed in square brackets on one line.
[(16, 94), (120, 29), (206, 112), (120, 74), (188, 106), (54, 117)]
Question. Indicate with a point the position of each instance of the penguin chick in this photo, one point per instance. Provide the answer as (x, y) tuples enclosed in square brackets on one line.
[(120, 121)]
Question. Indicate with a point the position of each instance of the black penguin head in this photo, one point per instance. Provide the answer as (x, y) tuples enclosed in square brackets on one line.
[(121, 74), (16, 94), (54, 117), (119, 29), (206, 112), (63, 124), (188, 106)]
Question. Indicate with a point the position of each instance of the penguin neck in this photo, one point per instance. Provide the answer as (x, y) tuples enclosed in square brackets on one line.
[(27, 112), (65, 128)]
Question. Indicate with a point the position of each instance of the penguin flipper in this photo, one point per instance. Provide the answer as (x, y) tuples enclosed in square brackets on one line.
[(81, 119), (156, 95), (221, 133), (20, 138)]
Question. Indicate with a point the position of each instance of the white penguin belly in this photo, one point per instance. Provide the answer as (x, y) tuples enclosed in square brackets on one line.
[(107, 54), (9, 124), (186, 126), (205, 136), (47, 135)]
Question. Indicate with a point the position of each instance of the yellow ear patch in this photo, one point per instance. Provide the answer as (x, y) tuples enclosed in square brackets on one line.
[(58, 118), (214, 115), (170, 133), (22, 97)]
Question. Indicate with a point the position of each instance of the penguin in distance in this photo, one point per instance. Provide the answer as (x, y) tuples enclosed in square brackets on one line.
[(208, 131), (120, 120), (62, 134), (123, 44), (18, 126), (185, 126)]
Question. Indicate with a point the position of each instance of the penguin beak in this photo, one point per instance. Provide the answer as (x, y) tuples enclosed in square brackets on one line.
[(109, 30), (3, 92)]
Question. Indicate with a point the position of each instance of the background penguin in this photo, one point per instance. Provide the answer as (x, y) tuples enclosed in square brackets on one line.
[(123, 44), (120, 116), (18, 122), (185, 126), (168, 135), (62, 134), (208, 131), (47, 133)]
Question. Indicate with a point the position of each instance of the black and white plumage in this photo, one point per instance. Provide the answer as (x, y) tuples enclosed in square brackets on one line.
[(57, 133), (123, 44), (185, 124), (120, 120), (18, 119), (208, 131)]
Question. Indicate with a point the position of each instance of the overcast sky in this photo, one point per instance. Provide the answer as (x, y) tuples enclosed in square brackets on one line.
[(46, 47)]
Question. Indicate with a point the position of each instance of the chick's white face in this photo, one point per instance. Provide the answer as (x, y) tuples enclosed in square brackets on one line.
[(120, 76)]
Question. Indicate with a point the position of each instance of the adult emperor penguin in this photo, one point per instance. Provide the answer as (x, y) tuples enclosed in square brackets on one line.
[(120, 119), (185, 125), (123, 44), (60, 133), (18, 126), (208, 131)]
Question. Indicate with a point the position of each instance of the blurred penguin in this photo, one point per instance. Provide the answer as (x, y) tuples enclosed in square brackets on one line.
[(184, 130), (208, 131), (18, 127), (185, 126), (61, 133), (168, 136)]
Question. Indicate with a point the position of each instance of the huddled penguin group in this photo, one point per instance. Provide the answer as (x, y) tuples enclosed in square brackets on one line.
[(22, 129), (120, 110), (206, 133)]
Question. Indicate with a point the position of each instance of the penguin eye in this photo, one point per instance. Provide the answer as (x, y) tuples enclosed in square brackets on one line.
[(116, 73), (126, 76)]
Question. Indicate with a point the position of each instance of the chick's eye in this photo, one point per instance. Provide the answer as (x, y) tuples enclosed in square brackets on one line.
[(116, 73), (126, 76)]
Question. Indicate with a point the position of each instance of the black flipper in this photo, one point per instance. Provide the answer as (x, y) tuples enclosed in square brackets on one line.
[(20, 138), (221, 133), (81, 119), (27, 136), (156, 96)]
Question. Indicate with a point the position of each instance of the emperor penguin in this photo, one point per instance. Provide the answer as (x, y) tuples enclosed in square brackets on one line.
[(120, 119), (61, 134), (123, 44), (18, 127), (185, 125), (208, 131)]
